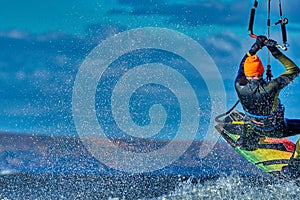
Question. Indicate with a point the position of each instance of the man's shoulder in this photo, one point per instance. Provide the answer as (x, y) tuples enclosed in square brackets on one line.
[(242, 81)]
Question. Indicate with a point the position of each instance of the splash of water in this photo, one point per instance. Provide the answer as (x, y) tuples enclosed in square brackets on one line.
[(234, 187)]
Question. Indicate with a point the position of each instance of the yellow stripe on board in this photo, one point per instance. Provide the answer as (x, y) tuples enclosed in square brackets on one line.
[(271, 168), (238, 122), (260, 155)]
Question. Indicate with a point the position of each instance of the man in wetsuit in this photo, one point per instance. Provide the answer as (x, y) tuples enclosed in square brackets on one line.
[(260, 101)]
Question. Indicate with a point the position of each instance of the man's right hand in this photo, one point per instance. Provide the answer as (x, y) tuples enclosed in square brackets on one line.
[(261, 41), (271, 45)]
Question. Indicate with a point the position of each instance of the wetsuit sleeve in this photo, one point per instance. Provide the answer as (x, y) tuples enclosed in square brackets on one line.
[(241, 74), (292, 71)]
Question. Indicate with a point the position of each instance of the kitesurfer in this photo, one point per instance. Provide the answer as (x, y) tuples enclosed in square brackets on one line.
[(259, 99)]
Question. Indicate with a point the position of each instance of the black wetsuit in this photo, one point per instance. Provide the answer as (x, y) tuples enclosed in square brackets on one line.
[(260, 99)]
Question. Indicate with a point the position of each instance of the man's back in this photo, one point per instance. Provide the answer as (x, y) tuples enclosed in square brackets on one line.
[(257, 96)]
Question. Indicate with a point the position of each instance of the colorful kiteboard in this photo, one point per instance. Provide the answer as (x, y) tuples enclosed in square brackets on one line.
[(271, 154)]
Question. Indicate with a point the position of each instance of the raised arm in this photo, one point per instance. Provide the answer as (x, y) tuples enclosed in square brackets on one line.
[(292, 70)]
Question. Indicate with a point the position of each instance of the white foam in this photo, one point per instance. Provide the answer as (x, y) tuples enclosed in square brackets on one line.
[(7, 171)]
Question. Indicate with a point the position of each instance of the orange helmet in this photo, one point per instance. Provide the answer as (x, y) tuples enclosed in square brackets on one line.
[(253, 66)]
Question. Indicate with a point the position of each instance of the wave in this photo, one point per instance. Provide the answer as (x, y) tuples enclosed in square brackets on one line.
[(234, 187), (161, 187)]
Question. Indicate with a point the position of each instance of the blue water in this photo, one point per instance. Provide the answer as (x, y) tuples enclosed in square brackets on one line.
[(61, 168), (141, 187)]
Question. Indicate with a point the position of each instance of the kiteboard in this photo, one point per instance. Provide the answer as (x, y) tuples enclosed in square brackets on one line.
[(270, 156)]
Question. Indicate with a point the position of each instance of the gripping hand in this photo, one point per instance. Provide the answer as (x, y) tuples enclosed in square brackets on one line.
[(261, 40), (271, 45), (260, 43)]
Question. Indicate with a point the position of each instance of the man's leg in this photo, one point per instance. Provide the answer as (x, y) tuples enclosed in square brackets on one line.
[(249, 139), (296, 154), (292, 127), (293, 168)]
